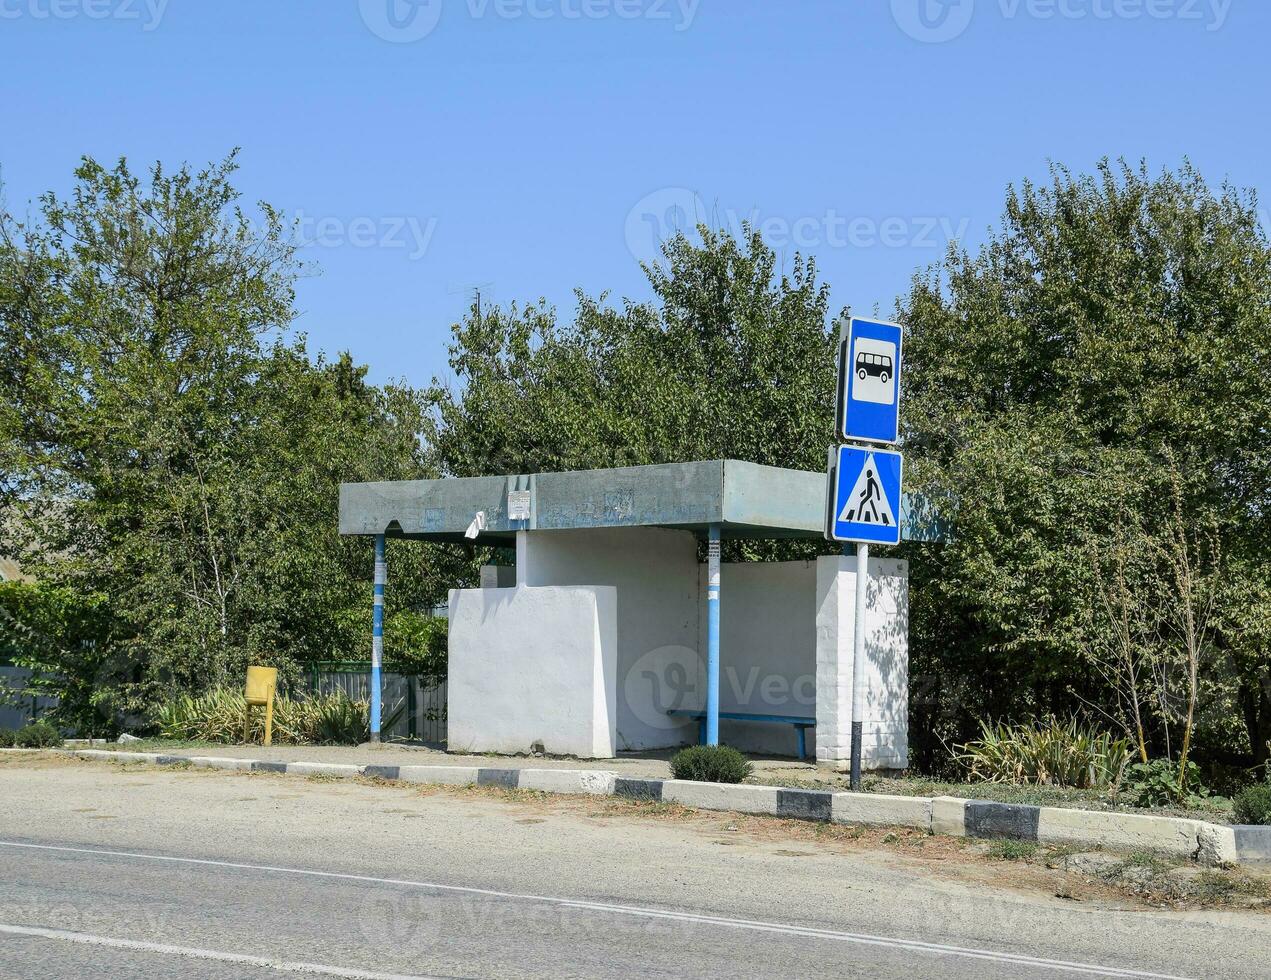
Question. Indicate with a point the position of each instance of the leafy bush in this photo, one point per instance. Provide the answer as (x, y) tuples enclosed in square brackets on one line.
[(416, 645), (1155, 783), (6, 738), (710, 764), (217, 716), (1252, 804), (38, 735), (1047, 752), (62, 636)]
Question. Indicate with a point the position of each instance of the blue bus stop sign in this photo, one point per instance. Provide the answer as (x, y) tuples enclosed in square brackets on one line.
[(869, 382), (864, 495)]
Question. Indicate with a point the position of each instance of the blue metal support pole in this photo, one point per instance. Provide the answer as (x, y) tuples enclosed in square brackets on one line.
[(712, 637), (377, 635)]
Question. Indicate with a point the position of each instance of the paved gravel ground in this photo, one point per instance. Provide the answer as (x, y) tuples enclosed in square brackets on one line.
[(409, 881)]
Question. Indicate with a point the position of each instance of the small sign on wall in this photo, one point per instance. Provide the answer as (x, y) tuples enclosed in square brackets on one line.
[(518, 505)]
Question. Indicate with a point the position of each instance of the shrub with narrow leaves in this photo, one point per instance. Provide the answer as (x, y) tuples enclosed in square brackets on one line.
[(1048, 752), (337, 720), (710, 764), (217, 716)]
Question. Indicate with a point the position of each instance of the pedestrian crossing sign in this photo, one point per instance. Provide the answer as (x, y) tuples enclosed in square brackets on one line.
[(863, 502)]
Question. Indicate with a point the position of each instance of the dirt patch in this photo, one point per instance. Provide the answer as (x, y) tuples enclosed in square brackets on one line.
[(42, 760), (1170, 884)]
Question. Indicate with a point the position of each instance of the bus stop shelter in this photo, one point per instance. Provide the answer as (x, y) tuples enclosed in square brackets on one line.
[(610, 632)]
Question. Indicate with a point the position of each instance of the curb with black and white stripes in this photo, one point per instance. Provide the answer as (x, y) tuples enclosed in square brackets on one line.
[(1192, 839)]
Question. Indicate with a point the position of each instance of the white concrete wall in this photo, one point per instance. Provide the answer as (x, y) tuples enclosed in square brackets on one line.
[(885, 743), (767, 625), (533, 665), (655, 573)]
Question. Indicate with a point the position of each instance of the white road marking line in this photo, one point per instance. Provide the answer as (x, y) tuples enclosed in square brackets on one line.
[(863, 939), (265, 962)]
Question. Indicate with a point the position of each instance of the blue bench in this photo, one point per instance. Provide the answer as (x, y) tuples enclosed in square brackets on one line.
[(801, 725)]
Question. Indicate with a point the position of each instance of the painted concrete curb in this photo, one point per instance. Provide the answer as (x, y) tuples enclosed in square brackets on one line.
[(948, 816), (772, 801), (1192, 839), (876, 808), (1253, 844), (589, 781)]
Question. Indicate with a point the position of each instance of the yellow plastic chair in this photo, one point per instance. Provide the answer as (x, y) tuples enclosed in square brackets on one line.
[(261, 683)]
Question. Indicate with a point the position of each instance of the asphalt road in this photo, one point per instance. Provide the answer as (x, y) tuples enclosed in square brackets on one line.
[(149, 873)]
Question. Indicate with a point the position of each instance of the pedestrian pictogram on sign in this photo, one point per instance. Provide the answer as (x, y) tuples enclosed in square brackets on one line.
[(864, 492), (866, 503)]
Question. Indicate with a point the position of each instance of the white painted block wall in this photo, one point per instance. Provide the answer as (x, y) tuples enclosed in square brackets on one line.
[(655, 572), (885, 743), (533, 665)]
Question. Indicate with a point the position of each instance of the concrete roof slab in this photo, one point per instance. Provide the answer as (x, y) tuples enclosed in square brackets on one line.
[(746, 499)]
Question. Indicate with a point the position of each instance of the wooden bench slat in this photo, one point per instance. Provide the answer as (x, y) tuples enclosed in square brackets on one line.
[(745, 716), (801, 724)]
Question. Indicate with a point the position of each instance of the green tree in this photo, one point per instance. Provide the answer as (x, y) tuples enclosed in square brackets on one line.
[(731, 358), (169, 448), (1108, 345)]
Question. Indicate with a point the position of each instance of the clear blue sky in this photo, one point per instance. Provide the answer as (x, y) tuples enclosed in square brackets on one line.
[(531, 146)]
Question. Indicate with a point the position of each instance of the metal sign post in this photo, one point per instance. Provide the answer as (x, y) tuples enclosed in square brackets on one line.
[(858, 662), (863, 485)]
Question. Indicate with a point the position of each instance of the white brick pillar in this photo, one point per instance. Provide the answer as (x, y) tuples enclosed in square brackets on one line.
[(886, 720)]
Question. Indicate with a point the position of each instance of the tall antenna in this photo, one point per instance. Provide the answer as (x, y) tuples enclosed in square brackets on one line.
[(475, 291)]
